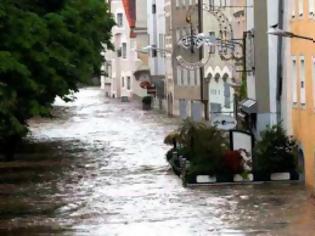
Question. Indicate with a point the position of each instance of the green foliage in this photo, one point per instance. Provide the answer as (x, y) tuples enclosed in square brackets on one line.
[(243, 89), (47, 48), (204, 146), (275, 152)]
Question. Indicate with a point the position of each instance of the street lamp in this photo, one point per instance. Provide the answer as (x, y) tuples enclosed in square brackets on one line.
[(286, 34), (147, 48)]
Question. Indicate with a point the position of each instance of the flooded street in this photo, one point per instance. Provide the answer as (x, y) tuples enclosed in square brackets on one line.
[(99, 168)]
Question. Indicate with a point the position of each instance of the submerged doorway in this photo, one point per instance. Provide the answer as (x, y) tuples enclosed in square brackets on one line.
[(301, 165)]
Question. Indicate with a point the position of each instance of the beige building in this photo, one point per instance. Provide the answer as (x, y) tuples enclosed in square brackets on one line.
[(226, 21), (183, 90)]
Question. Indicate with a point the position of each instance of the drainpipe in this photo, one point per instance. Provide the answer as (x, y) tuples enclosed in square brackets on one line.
[(279, 61), (203, 90)]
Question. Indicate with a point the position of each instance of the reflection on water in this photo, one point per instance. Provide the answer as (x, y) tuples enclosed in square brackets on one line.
[(98, 168)]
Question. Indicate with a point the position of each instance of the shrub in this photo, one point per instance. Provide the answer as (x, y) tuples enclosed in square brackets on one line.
[(275, 152), (204, 146)]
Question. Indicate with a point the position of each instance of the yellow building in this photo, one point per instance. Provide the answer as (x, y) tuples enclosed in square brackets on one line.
[(303, 84)]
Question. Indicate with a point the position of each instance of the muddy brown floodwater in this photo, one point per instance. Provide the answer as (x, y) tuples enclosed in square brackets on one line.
[(98, 168)]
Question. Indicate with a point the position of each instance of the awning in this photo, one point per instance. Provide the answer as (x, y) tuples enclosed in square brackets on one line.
[(249, 106), (141, 69)]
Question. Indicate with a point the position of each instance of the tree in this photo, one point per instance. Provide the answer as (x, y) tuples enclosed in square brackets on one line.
[(275, 152), (47, 48)]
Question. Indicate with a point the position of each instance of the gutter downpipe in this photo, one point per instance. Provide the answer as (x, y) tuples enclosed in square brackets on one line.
[(279, 61), (203, 90)]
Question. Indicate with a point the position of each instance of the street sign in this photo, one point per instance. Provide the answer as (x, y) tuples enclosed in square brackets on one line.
[(224, 122)]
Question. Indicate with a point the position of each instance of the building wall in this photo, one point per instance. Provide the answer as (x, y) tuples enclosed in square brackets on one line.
[(286, 108), (303, 114), (262, 84), (133, 33), (156, 31), (181, 84), (218, 70), (251, 88), (169, 79)]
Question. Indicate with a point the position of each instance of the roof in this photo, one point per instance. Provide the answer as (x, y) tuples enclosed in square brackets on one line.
[(130, 10)]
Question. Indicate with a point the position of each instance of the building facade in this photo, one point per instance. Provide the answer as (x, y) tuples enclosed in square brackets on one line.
[(183, 86), (156, 49), (263, 80), (226, 21), (302, 100), (129, 34)]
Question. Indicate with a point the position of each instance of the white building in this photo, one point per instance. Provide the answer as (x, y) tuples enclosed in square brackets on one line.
[(156, 48), (226, 21), (129, 34), (156, 31), (263, 84)]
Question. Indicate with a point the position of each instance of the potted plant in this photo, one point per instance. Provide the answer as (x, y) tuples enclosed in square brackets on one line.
[(203, 147), (275, 154), (147, 103)]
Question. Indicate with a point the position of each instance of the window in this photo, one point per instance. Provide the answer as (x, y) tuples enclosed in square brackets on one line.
[(196, 73), (124, 50), (301, 7), (179, 75), (161, 42), (154, 51), (185, 77), (293, 10), (294, 81), (119, 52), (178, 34), (182, 76), (302, 81), (128, 82), (153, 8), (192, 77), (177, 3), (199, 78), (311, 7), (119, 19), (122, 82)]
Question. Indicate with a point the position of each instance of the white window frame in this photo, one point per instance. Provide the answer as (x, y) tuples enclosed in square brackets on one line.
[(179, 75), (185, 77), (301, 7), (178, 3), (302, 81), (182, 81), (120, 21), (192, 77), (311, 8), (294, 79), (123, 82), (124, 50), (293, 10), (128, 82)]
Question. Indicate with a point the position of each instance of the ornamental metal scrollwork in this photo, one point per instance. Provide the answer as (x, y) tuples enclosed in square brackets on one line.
[(228, 48)]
